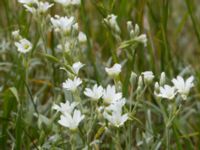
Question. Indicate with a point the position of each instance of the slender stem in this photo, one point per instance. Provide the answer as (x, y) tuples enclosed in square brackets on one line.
[(118, 141), (167, 137), (72, 142), (138, 99), (25, 63)]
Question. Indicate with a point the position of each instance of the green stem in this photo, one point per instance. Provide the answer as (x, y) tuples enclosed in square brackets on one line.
[(118, 141), (72, 142), (167, 137)]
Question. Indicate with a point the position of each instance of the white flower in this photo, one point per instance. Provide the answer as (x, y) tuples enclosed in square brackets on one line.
[(72, 85), (116, 118), (82, 37), (68, 2), (41, 7), (114, 70), (23, 46), (148, 77), (65, 108), (117, 105), (28, 2), (95, 93), (110, 95), (167, 92), (77, 66), (63, 24), (70, 121), (183, 87)]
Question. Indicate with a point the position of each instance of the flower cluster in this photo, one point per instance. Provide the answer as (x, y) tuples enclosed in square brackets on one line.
[(63, 24), (112, 101), (180, 86), (35, 6), (111, 20)]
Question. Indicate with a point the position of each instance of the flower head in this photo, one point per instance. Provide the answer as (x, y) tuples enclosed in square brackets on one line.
[(40, 7), (72, 85), (71, 121), (115, 117), (183, 87), (167, 92), (95, 93), (43, 6), (65, 108), (23, 46), (114, 70), (77, 66), (110, 95), (117, 105), (63, 24)]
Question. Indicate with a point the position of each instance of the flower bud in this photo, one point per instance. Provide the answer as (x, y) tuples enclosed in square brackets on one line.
[(148, 77), (129, 26), (162, 79), (114, 70), (82, 37), (111, 20), (137, 30), (133, 78), (132, 33), (156, 87), (140, 82)]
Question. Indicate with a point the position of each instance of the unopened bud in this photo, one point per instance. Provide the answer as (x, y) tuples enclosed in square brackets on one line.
[(162, 79), (140, 82), (82, 37), (156, 87), (129, 26), (148, 77), (133, 78), (137, 29)]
